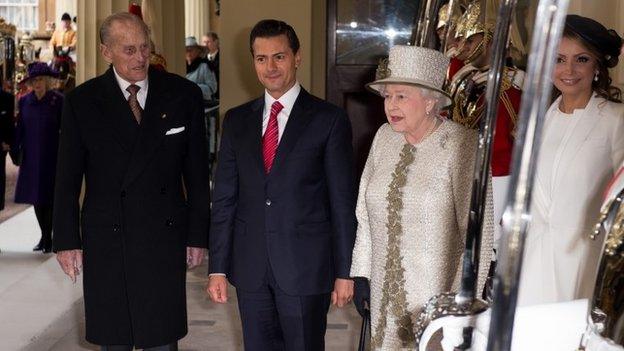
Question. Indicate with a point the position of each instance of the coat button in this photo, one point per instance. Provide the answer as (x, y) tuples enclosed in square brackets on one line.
[(169, 222), (123, 193), (115, 227), (268, 202)]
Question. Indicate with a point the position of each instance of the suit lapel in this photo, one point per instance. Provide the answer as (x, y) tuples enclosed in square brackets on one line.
[(254, 131), (116, 112), (152, 128), (581, 131), (299, 118)]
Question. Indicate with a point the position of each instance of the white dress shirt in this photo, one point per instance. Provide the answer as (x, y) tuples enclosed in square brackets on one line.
[(212, 56), (288, 101), (141, 94)]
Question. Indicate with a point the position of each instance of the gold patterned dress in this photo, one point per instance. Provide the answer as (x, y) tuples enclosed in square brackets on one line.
[(412, 216)]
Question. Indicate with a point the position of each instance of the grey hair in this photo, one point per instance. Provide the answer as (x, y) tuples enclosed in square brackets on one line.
[(436, 96), (123, 17), (428, 94), (212, 35)]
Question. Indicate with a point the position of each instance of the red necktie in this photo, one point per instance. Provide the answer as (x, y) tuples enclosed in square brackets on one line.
[(271, 136)]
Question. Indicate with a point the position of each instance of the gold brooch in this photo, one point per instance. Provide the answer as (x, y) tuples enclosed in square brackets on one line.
[(383, 71)]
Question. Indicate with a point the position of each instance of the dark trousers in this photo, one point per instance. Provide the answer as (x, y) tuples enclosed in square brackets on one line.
[(274, 321), (44, 218), (171, 347), (2, 178)]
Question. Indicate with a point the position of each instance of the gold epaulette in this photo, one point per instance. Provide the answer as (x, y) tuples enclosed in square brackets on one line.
[(459, 78), (468, 112), (512, 77)]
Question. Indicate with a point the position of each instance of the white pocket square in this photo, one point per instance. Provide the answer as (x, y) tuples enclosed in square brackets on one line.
[(175, 130)]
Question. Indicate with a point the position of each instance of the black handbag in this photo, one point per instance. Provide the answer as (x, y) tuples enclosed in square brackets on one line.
[(365, 330)]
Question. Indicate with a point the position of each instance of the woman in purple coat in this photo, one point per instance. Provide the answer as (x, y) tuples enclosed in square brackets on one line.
[(36, 141)]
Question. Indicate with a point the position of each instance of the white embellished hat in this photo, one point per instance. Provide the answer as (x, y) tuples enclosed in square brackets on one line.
[(413, 65)]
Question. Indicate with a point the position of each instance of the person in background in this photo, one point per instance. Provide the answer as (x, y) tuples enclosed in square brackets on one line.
[(197, 69), (64, 38), (414, 199), (210, 41), (7, 135), (36, 145), (469, 108), (582, 148)]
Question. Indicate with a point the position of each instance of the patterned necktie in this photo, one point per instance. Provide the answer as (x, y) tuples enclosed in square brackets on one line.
[(133, 89), (271, 136)]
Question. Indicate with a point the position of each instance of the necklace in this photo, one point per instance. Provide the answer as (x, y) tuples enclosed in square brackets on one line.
[(429, 131)]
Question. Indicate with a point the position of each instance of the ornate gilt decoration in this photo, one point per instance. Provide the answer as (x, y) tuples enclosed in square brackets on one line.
[(442, 305), (7, 29), (469, 107), (394, 297), (383, 71), (606, 316)]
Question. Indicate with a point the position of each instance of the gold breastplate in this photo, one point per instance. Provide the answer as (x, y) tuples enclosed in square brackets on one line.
[(468, 107)]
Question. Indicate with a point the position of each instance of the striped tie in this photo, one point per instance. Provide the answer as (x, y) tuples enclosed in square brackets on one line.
[(133, 89), (271, 136)]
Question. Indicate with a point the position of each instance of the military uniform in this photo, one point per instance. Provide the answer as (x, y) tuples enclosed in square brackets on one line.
[(470, 107), (454, 66)]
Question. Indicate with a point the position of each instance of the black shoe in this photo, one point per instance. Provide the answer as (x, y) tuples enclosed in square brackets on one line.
[(39, 246)]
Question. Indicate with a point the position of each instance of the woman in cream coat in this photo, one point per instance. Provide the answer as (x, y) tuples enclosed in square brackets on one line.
[(414, 199), (582, 147)]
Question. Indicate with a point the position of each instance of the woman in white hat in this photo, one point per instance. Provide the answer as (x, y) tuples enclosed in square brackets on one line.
[(414, 198)]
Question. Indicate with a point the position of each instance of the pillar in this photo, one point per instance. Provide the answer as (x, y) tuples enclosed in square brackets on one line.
[(197, 17)]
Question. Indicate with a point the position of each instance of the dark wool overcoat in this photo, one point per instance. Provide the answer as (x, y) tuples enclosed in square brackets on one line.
[(146, 199)]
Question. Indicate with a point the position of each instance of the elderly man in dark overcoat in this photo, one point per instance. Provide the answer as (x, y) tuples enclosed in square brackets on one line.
[(136, 136)]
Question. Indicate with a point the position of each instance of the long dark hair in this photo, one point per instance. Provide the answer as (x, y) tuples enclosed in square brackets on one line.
[(603, 87)]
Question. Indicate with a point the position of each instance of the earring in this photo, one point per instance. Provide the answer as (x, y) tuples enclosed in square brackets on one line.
[(596, 77)]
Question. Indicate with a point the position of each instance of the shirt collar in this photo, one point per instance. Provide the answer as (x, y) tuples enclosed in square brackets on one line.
[(287, 100), (123, 84)]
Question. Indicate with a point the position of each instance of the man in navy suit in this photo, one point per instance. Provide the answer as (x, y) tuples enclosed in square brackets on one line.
[(283, 215)]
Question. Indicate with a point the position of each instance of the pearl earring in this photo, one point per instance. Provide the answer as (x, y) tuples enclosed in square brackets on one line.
[(596, 77)]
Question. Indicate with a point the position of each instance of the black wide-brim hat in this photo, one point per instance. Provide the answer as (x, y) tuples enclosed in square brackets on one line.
[(38, 69), (606, 41)]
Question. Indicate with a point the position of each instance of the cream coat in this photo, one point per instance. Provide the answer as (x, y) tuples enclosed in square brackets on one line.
[(559, 258), (435, 208)]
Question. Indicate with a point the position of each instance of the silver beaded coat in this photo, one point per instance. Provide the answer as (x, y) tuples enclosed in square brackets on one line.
[(410, 261)]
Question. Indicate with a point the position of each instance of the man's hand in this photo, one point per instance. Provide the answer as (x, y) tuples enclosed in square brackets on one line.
[(194, 256), (71, 262), (217, 288), (343, 292)]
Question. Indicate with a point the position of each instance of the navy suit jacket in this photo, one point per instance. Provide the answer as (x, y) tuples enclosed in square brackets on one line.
[(299, 218)]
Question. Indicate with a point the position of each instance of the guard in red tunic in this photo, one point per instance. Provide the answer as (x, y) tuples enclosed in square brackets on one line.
[(453, 39), (468, 89)]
